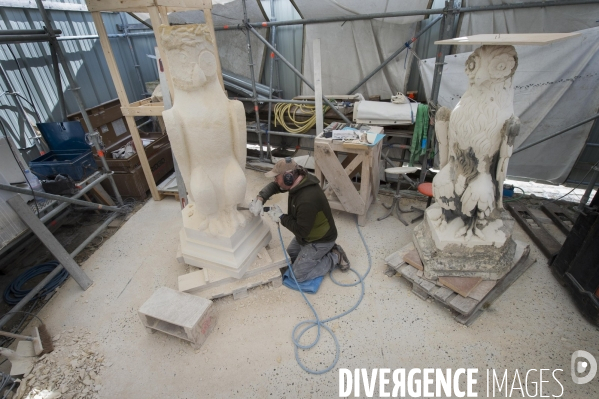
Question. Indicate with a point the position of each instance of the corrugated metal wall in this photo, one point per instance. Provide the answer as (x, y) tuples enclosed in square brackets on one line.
[(86, 60)]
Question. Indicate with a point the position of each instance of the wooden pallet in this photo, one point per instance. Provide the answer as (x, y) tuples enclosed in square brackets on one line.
[(562, 218), (534, 228), (482, 296), (212, 284)]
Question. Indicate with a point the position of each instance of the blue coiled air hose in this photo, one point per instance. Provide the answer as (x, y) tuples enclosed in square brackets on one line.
[(309, 324), (15, 292)]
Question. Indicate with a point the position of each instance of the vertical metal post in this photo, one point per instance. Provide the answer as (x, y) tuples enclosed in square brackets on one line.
[(272, 68), (75, 90), (255, 96), (135, 61), (28, 128), (446, 32), (58, 81)]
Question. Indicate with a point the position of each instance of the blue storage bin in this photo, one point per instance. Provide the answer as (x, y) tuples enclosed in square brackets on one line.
[(70, 154)]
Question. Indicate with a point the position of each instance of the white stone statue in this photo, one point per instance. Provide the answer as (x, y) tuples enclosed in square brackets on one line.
[(475, 143), (206, 130), (466, 232), (208, 136)]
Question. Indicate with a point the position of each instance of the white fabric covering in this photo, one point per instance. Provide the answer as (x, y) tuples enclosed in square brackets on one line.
[(555, 87), (352, 50)]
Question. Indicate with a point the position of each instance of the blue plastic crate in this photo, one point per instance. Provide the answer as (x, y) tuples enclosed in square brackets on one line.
[(70, 154)]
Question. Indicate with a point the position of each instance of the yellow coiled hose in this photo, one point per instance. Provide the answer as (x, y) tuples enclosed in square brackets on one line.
[(283, 110)]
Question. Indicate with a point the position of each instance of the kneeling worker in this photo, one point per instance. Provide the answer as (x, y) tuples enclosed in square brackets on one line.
[(313, 251)]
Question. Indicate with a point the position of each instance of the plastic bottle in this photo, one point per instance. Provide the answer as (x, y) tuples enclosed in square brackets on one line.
[(35, 183)]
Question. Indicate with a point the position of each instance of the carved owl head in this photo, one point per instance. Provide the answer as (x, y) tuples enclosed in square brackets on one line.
[(190, 53), (491, 64)]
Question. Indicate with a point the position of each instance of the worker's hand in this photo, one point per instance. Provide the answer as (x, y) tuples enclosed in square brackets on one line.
[(275, 213), (255, 207)]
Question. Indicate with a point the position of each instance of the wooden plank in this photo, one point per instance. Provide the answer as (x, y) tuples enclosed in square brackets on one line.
[(190, 4), (163, 15), (118, 5), (481, 290), (559, 216), (109, 55), (143, 158), (45, 236), (349, 169), (317, 86), (147, 110), (102, 195), (413, 258), (339, 181), (155, 19), (502, 285), (463, 305), (365, 179), (461, 285), (210, 24), (549, 245), (441, 293)]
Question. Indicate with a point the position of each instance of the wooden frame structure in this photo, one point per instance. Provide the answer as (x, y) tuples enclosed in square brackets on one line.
[(335, 176), (158, 10)]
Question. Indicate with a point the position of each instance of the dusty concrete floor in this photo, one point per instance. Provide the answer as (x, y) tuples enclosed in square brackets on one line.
[(533, 325)]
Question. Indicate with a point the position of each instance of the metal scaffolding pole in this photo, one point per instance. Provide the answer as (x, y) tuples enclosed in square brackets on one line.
[(53, 273), (272, 65), (395, 54), (60, 198), (75, 90), (255, 96), (298, 73), (446, 32)]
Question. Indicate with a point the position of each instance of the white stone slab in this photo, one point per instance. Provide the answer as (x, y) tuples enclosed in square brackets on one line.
[(176, 313), (510, 38)]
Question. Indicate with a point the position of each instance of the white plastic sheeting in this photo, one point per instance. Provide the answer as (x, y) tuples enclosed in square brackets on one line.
[(336, 8), (351, 50), (555, 86)]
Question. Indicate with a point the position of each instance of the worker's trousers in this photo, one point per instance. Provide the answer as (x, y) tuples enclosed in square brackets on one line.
[(311, 260)]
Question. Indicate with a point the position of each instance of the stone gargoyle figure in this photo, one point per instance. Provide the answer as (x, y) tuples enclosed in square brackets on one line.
[(475, 143), (207, 132)]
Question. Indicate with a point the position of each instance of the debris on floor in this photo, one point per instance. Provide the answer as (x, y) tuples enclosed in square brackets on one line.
[(71, 371)]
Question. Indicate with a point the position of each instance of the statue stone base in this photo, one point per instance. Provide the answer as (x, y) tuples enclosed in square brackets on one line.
[(445, 253), (232, 254)]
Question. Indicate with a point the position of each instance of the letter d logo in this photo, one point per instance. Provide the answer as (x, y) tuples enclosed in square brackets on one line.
[(579, 366)]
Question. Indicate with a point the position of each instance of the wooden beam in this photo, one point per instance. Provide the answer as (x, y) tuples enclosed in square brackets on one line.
[(155, 110), (163, 15), (317, 86), (155, 19), (143, 159), (189, 4), (118, 5), (109, 55), (210, 24)]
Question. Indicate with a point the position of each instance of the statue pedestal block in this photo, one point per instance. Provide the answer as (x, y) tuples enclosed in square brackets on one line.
[(444, 254), (231, 255)]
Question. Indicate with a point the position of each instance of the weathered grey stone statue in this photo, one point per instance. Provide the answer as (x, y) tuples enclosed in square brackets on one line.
[(208, 136), (467, 232)]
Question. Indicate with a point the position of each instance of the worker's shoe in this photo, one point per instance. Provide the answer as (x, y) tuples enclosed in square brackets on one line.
[(343, 261)]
